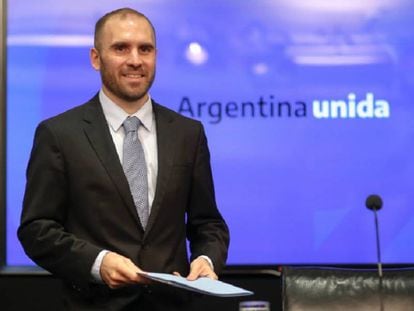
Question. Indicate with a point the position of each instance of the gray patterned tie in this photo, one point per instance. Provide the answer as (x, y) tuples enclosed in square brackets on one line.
[(135, 168)]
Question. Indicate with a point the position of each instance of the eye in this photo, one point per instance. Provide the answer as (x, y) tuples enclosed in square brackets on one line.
[(120, 47), (146, 49)]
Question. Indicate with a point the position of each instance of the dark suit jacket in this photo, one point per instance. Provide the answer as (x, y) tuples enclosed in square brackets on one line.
[(77, 203)]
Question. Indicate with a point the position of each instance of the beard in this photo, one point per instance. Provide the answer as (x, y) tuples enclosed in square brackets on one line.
[(121, 90)]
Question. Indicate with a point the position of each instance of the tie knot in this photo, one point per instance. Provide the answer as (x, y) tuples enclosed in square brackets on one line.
[(131, 124)]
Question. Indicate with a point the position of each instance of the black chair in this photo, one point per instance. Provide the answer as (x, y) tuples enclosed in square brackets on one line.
[(315, 288)]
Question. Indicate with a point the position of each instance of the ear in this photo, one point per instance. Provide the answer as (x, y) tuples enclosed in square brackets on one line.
[(95, 59)]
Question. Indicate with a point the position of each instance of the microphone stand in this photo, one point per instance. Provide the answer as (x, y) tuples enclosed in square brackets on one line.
[(378, 245), (374, 203), (379, 262)]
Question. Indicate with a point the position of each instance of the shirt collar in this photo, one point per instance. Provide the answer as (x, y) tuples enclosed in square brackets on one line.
[(115, 115)]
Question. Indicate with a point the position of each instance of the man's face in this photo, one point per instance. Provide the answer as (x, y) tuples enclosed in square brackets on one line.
[(126, 57)]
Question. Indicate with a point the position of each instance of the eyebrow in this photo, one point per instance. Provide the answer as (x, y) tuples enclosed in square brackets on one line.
[(145, 44)]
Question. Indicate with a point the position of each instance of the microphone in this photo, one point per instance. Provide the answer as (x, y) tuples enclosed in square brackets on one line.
[(374, 203)]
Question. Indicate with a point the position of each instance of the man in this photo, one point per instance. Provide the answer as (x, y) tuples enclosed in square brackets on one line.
[(104, 202)]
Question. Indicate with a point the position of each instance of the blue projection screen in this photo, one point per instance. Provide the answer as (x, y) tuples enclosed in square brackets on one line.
[(307, 106)]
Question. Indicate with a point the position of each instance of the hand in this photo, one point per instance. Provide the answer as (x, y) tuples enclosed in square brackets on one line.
[(201, 267), (117, 271)]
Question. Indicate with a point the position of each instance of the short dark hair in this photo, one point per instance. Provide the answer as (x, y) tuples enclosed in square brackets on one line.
[(123, 12)]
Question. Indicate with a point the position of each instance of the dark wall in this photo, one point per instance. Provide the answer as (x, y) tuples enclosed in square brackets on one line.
[(42, 292)]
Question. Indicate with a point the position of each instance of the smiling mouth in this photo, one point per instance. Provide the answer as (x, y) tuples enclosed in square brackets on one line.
[(133, 76)]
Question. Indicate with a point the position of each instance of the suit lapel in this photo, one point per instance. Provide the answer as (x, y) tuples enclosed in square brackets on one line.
[(165, 144), (97, 131)]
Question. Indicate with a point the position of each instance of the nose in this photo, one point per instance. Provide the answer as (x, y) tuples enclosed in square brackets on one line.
[(134, 58)]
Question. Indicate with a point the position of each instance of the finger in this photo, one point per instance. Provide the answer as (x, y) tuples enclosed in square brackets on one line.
[(194, 274), (200, 267), (144, 278), (117, 270), (131, 271), (196, 269), (207, 272), (114, 280), (120, 275), (128, 276), (124, 270), (212, 275)]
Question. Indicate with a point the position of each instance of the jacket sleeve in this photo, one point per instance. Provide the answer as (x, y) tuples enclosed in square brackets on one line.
[(42, 229), (206, 229)]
